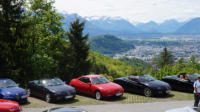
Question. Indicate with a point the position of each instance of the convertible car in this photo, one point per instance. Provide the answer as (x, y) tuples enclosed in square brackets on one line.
[(97, 86), (9, 106), (51, 89), (11, 91), (144, 84), (63, 109), (181, 82)]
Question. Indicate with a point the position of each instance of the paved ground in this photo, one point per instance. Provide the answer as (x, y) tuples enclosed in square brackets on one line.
[(137, 107)]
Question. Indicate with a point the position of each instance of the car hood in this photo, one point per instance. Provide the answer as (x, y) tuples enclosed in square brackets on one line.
[(7, 104), (156, 83), (12, 91), (109, 86), (60, 88)]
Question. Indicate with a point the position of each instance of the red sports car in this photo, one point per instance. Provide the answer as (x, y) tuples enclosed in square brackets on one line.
[(9, 106), (97, 86)]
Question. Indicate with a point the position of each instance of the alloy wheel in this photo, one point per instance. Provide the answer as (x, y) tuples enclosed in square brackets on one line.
[(48, 98), (98, 95), (147, 92)]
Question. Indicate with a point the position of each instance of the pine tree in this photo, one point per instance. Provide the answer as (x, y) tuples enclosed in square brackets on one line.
[(166, 58), (13, 39), (80, 48)]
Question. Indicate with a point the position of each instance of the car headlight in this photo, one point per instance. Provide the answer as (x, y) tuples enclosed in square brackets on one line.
[(6, 95), (53, 91), (11, 109)]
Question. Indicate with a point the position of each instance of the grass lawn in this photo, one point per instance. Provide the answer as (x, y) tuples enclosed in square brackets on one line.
[(127, 98)]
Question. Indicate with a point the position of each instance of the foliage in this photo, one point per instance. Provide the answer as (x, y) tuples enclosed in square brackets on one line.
[(135, 62), (180, 67), (14, 41), (111, 68), (109, 44)]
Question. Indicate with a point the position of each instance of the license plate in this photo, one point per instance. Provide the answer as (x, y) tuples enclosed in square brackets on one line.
[(24, 96), (118, 94), (66, 97), (167, 91)]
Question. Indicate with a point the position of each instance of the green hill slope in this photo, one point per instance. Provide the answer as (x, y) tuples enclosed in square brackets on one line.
[(135, 62), (111, 68), (109, 44)]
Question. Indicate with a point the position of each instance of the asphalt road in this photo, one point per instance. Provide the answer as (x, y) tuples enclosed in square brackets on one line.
[(137, 107)]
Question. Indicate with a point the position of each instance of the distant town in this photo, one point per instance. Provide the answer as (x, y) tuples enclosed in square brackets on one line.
[(147, 49)]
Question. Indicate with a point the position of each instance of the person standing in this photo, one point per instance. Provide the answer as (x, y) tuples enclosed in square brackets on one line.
[(197, 92)]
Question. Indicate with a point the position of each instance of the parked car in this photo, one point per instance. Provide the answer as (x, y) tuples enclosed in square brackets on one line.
[(65, 109), (11, 91), (182, 82), (143, 84), (97, 86), (51, 89), (9, 106)]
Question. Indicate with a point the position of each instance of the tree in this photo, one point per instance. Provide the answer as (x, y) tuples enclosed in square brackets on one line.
[(78, 42), (47, 34), (14, 40), (166, 58)]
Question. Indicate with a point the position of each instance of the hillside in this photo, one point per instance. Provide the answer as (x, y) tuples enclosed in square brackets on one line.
[(109, 67), (135, 62), (109, 44), (192, 27)]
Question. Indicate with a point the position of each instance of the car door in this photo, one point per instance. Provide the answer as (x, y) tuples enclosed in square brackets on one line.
[(134, 86), (38, 89), (85, 85), (34, 88)]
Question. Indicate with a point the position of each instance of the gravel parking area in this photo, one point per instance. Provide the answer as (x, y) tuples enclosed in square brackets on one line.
[(137, 107)]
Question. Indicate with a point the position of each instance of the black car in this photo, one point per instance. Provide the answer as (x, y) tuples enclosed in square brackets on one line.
[(51, 89), (181, 82), (144, 84), (65, 109)]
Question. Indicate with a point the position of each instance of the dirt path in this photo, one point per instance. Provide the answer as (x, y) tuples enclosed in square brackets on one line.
[(137, 107)]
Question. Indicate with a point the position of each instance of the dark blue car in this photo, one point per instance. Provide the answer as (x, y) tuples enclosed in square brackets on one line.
[(11, 91)]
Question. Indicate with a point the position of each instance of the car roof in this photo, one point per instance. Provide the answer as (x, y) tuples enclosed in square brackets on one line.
[(92, 76)]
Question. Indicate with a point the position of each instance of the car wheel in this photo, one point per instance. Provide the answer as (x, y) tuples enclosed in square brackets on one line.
[(48, 98), (29, 92), (98, 95), (147, 92)]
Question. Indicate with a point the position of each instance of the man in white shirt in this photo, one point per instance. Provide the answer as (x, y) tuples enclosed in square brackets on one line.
[(197, 92)]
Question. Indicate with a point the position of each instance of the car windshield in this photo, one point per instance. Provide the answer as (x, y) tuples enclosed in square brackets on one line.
[(146, 78), (100, 80), (7, 83), (52, 82)]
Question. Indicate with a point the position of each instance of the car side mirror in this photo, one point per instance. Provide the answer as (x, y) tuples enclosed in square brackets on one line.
[(18, 85)]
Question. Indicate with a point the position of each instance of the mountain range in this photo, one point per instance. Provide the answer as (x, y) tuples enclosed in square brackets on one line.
[(123, 28)]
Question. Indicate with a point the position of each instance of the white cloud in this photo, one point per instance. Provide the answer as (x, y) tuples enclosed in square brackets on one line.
[(134, 10)]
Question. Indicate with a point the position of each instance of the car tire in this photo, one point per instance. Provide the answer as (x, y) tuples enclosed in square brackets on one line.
[(48, 98), (148, 92), (29, 92), (98, 95)]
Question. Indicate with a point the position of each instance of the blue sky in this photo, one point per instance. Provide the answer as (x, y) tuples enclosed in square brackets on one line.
[(133, 10)]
